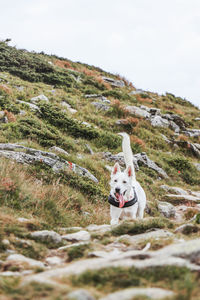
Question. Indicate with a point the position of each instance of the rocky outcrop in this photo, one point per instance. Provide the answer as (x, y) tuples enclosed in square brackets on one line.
[(32, 107), (39, 98), (173, 121), (47, 236), (114, 82), (192, 132), (30, 156), (138, 159), (100, 106)]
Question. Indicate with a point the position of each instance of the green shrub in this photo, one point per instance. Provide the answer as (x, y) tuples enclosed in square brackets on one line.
[(31, 67), (6, 103), (76, 252), (186, 170)]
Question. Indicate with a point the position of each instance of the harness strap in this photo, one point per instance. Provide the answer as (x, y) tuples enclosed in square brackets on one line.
[(115, 203)]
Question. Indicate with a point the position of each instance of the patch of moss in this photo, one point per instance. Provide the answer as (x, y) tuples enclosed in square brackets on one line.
[(141, 226), (76, 252)]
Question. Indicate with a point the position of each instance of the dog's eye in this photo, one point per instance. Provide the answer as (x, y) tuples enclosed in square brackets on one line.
[(124, 181), (115, 180)]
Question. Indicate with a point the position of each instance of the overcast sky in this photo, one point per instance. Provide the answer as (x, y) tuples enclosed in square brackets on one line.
[(153, 43)]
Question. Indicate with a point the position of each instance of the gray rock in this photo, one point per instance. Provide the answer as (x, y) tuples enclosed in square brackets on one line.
[(32, 107), (99, 97), (47, 236), (21, 258), (80, 295), (174, 126), (113, 82), (192, 132), (54, 260), (59, 150), (158, 121), (129, 294), (77, 236), (72, 245), (166, 209), (174, 190), (137, 111), (197, 165), (197, 119), (20, 88), (39, 98), (4, 120), (101, 106), (99, 228), (178, 199), (138, 91), (165, 138), (22, 112), (2, 114), (156, 234), (50, 159), (69, 108), (140, 158)]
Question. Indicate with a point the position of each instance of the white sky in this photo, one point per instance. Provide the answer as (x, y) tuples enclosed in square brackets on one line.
[(153, 43)]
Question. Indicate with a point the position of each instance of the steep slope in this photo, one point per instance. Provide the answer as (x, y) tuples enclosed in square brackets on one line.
[(59, 122)]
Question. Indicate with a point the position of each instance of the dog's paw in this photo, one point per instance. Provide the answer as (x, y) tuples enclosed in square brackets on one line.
[(114, 222)]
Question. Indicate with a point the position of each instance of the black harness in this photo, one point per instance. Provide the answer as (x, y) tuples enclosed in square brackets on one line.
[(113, 201)]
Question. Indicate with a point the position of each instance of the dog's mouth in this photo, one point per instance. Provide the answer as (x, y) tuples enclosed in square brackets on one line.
[(120, 199)]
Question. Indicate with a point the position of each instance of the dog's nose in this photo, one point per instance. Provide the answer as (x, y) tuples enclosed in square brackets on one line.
[(117, 190)]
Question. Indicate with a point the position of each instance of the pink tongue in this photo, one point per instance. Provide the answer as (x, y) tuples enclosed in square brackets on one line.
[(121, 201)]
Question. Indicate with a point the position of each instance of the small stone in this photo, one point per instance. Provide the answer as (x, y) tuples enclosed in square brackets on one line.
[(39, 98), (80, 295), (47, 236), (166, 209), (59, 150), (33, 107), (23, 220), (114, 82), (78, 236), (100, 106), (5, 242), (158, 121), (54, 260)]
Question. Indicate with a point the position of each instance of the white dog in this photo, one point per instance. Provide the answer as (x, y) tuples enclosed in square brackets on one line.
[(127, 197)]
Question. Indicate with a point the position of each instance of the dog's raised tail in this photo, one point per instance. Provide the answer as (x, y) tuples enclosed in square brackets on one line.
[(128, 154)]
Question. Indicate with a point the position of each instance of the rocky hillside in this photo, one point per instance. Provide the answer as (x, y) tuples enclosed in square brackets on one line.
[(59, 122)]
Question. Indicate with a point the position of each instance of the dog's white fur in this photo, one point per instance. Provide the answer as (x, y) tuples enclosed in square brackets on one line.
[(125, 182)]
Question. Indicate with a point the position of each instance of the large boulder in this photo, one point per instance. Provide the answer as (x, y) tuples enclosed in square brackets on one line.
[(166, 209)]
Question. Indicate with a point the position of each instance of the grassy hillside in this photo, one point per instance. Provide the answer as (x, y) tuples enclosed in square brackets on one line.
[(52, 200)]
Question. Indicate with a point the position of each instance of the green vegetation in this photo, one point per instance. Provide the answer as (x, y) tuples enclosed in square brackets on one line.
[(138, 226), (110, 279)]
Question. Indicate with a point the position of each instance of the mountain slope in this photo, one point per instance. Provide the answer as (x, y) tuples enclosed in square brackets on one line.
[(47, 101)]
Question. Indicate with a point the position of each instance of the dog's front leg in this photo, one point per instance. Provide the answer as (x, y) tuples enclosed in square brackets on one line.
[(114, 214)]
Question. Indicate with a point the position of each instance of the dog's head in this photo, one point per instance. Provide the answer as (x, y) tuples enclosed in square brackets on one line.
[(121, 182)]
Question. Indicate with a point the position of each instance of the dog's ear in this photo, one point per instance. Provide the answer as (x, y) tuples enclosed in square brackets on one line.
[(129, 171), (116, 169)]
